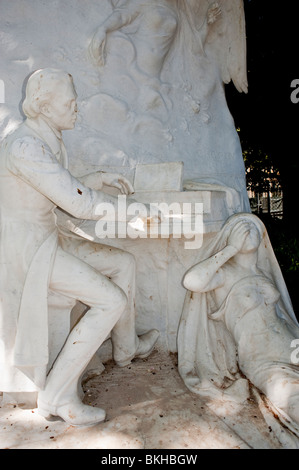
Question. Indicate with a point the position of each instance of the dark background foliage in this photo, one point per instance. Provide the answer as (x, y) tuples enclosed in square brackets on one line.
[(268, 120)]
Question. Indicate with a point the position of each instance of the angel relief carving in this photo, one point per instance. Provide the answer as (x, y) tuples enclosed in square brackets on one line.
[(153, 27), (161, 66), (149, 31)]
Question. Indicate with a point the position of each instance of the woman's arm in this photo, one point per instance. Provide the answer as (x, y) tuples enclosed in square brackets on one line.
[(117, 19), (208, 275)]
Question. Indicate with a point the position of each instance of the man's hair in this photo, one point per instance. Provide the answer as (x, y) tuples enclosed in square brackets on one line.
[(40, 89)]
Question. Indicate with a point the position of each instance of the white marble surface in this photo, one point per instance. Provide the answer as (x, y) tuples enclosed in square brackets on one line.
[(156, 411), (136, 107), (159, 177), (162, 262), (37, 259), (142, 108), (129, 115)]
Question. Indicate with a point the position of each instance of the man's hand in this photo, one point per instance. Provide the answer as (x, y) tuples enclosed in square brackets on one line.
[(97, 179), (118, 181)]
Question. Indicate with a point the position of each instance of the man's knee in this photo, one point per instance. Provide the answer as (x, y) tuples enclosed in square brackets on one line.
[(119, 301), (112, 306), (116, 302)]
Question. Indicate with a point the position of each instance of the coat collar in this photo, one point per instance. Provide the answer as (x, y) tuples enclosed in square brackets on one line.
[(51, 136)]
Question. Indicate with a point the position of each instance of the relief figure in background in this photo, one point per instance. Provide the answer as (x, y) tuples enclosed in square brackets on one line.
[(161, 66), (151, 27)]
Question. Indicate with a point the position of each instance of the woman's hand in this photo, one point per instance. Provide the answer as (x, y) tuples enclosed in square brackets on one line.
[(238, 235)]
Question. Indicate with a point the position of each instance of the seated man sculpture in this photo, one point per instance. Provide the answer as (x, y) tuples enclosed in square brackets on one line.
[(36, 258)]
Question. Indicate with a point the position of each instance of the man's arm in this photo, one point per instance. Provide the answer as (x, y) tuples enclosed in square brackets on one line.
[(99, 179), (32, 161), (92, 180)]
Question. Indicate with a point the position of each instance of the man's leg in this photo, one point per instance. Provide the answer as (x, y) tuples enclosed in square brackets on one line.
[(120, 267), (76, 279)]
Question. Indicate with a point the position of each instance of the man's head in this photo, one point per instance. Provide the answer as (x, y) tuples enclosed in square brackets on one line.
[(50, 93)]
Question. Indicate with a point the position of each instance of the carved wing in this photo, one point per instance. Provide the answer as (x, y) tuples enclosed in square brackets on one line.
[(227, 42)]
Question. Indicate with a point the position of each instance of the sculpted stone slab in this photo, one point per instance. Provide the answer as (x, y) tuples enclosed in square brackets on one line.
[(149, 78), (159, 177)]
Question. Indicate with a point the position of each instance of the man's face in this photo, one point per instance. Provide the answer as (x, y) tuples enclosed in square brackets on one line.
[(62, 111)]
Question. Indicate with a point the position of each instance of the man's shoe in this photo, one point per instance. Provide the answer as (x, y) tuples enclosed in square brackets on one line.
[(75, 414), (146, 345)]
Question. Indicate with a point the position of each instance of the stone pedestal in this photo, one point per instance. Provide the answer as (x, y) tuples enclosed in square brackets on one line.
[(162, 261)]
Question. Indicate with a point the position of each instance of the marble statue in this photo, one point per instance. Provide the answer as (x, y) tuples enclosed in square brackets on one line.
[(238, 322), (137, 107), (37, 258), (157, 23), (162, 65), (150, 78)]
